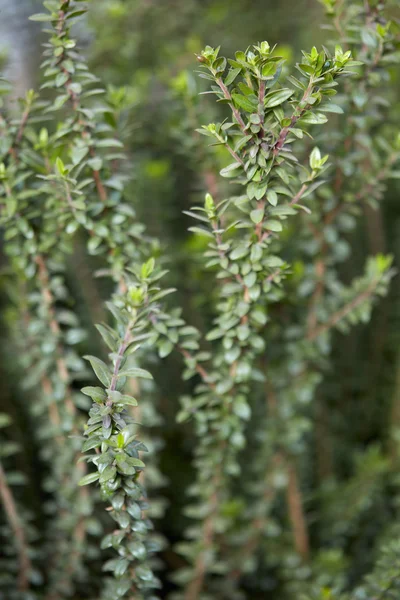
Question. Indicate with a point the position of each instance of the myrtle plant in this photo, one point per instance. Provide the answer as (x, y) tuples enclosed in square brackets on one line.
[(112, 436), (328, 304), (36, 188), (91, 185), (273, 248), (37, 242), (373, 39), (246, 250), (16, 528)]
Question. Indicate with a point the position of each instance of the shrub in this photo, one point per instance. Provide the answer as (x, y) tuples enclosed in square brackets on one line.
[(264, 509)]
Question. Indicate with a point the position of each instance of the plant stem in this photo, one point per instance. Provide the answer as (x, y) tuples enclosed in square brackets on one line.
[(17, 527), (296, 512), (343, 312)]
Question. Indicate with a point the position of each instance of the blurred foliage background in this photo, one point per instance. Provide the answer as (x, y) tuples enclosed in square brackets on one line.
[(144, 50)]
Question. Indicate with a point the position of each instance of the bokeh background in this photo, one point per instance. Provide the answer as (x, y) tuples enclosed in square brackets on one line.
[(145, 51)]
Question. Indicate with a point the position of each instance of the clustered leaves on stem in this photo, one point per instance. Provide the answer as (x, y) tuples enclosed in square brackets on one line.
[(274, 247)]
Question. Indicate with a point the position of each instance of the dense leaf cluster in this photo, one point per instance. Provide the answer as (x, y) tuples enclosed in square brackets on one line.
[(271, 237)]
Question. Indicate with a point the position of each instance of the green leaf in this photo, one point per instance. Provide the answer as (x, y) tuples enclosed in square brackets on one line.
[(118, 500), (78, 154), (224, 386), (269, 70), (273, 262), (95, 163), (239, 252), (42, 17), (229, 170), (125, 468), (261, 191), (119, 398), (201, 231), (331, 108), (315, 158), (257, 215), (136, 462), (108, 474), (101, 370), (121, 567), (96, 393), (108, 336), (163, 293), (60, 166), (91, 443), (91, 478), (306, 68), (148, 268), (59, 101), (273, 225), (242, 141), (165, 348), (244, 102), (272, 197), (232, 354), (214, 334), (310, 189), (277, 97), (134, 510), (76, 13), (61, 79), (242, 409), (233, 73), (127, 400), (136, 373), (109, 143), (313, 118)]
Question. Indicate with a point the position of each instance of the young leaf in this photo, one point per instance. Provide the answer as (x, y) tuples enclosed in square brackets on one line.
[(101, 370)]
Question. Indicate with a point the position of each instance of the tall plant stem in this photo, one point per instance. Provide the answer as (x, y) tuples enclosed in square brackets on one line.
[(296, 512), (17, 527)]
